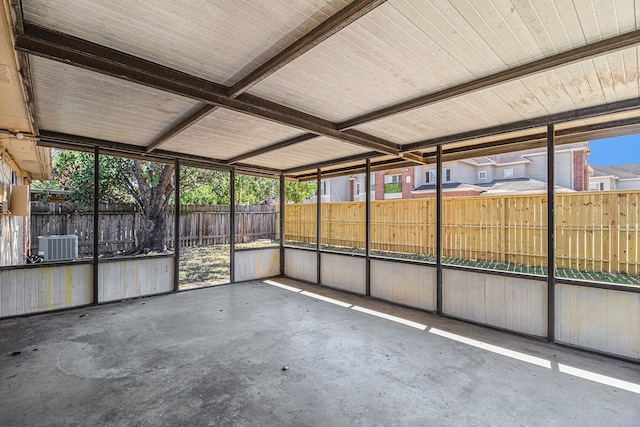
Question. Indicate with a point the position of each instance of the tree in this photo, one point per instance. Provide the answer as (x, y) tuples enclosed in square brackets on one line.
[(147, 184), (151, 186)]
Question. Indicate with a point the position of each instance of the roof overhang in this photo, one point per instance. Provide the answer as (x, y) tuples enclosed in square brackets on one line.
[(290, 87)]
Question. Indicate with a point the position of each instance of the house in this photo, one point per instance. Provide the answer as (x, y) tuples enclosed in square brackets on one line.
[(517, 172), (617, 177), (21, 160)]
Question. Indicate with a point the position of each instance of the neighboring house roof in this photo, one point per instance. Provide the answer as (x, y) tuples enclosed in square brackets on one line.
[(497, 186), (629, 171)]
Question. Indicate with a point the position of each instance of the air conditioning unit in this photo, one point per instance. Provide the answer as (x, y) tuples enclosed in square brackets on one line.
[(58, 248)]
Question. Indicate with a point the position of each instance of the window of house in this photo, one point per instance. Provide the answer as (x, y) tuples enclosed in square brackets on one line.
[(596, 186), (14, 178), (357, 188), (324, 188), (372, 181), (508, 173), (482, 175), (431, 176), (389, 179)]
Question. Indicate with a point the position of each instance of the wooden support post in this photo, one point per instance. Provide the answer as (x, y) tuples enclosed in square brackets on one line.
[(176, 229), (439, 230), (232, 224), (551, 235), (96, 220)]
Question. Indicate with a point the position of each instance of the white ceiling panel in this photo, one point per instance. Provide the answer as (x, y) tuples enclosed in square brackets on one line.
[(224, 134), (407, 48), (219, 40), (79, 102), (308, 152)]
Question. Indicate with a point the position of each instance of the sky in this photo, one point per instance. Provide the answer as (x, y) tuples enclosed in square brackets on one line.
[(615, 151)]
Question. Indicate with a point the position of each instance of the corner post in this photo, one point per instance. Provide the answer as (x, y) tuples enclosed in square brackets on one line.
[(551, 234), (232, 225), (176, 228), (367, 230), (96, 220), (318, 222), (439, 230), (282, 224)]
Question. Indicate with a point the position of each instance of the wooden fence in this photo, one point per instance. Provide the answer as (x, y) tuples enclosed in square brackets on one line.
[(595, 231), (199, 225)]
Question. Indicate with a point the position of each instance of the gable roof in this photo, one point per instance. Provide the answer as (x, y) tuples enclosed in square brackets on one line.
[(521, 156), (628, 171)]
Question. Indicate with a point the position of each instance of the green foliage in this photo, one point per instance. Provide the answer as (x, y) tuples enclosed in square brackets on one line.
[(73, 171), (207, 187)]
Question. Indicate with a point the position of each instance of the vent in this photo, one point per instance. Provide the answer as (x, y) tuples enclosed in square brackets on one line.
[(58, 248), (6, 76)]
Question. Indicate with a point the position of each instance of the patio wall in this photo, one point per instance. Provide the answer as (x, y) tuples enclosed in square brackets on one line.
[(38, 288), (412, 285), (512, 303), (605, 320), (131, 278), (301, 264), (256, 264)]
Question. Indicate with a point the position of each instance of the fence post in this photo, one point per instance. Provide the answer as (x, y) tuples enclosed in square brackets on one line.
[(199, 226), (503, 229), (614, 229)]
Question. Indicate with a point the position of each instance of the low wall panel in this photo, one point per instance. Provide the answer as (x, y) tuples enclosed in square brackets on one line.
[(343, 272), (256, 264), (44, 288), (605, 320), (300, 264), (133, 278), (512, 303), (403, 283)]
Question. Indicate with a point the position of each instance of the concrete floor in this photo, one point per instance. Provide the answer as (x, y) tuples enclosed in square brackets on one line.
[(215, 357)]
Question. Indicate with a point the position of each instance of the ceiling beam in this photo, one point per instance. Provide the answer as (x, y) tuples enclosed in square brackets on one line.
[(347, 15), (326, 29), (563, 136), (383, 165), (192, 117), (567, 116), (334, 162), (563, 58), (84, 54), (271, 147), (75, 142)]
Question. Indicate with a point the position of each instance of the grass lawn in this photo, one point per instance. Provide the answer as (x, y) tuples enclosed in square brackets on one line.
[(209, 265)]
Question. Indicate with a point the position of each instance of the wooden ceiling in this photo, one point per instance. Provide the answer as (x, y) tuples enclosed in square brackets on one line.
[(289, 86)]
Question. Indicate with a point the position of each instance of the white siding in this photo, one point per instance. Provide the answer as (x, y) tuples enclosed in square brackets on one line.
[(466, 173), (256, 264), (402, 283), (11, 228), (599, 319), (134, 278), (511, 303), (537, 169), (519, 171), (44, 288), (629, 184), (564, 169), (343, 272), (300, 264)]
